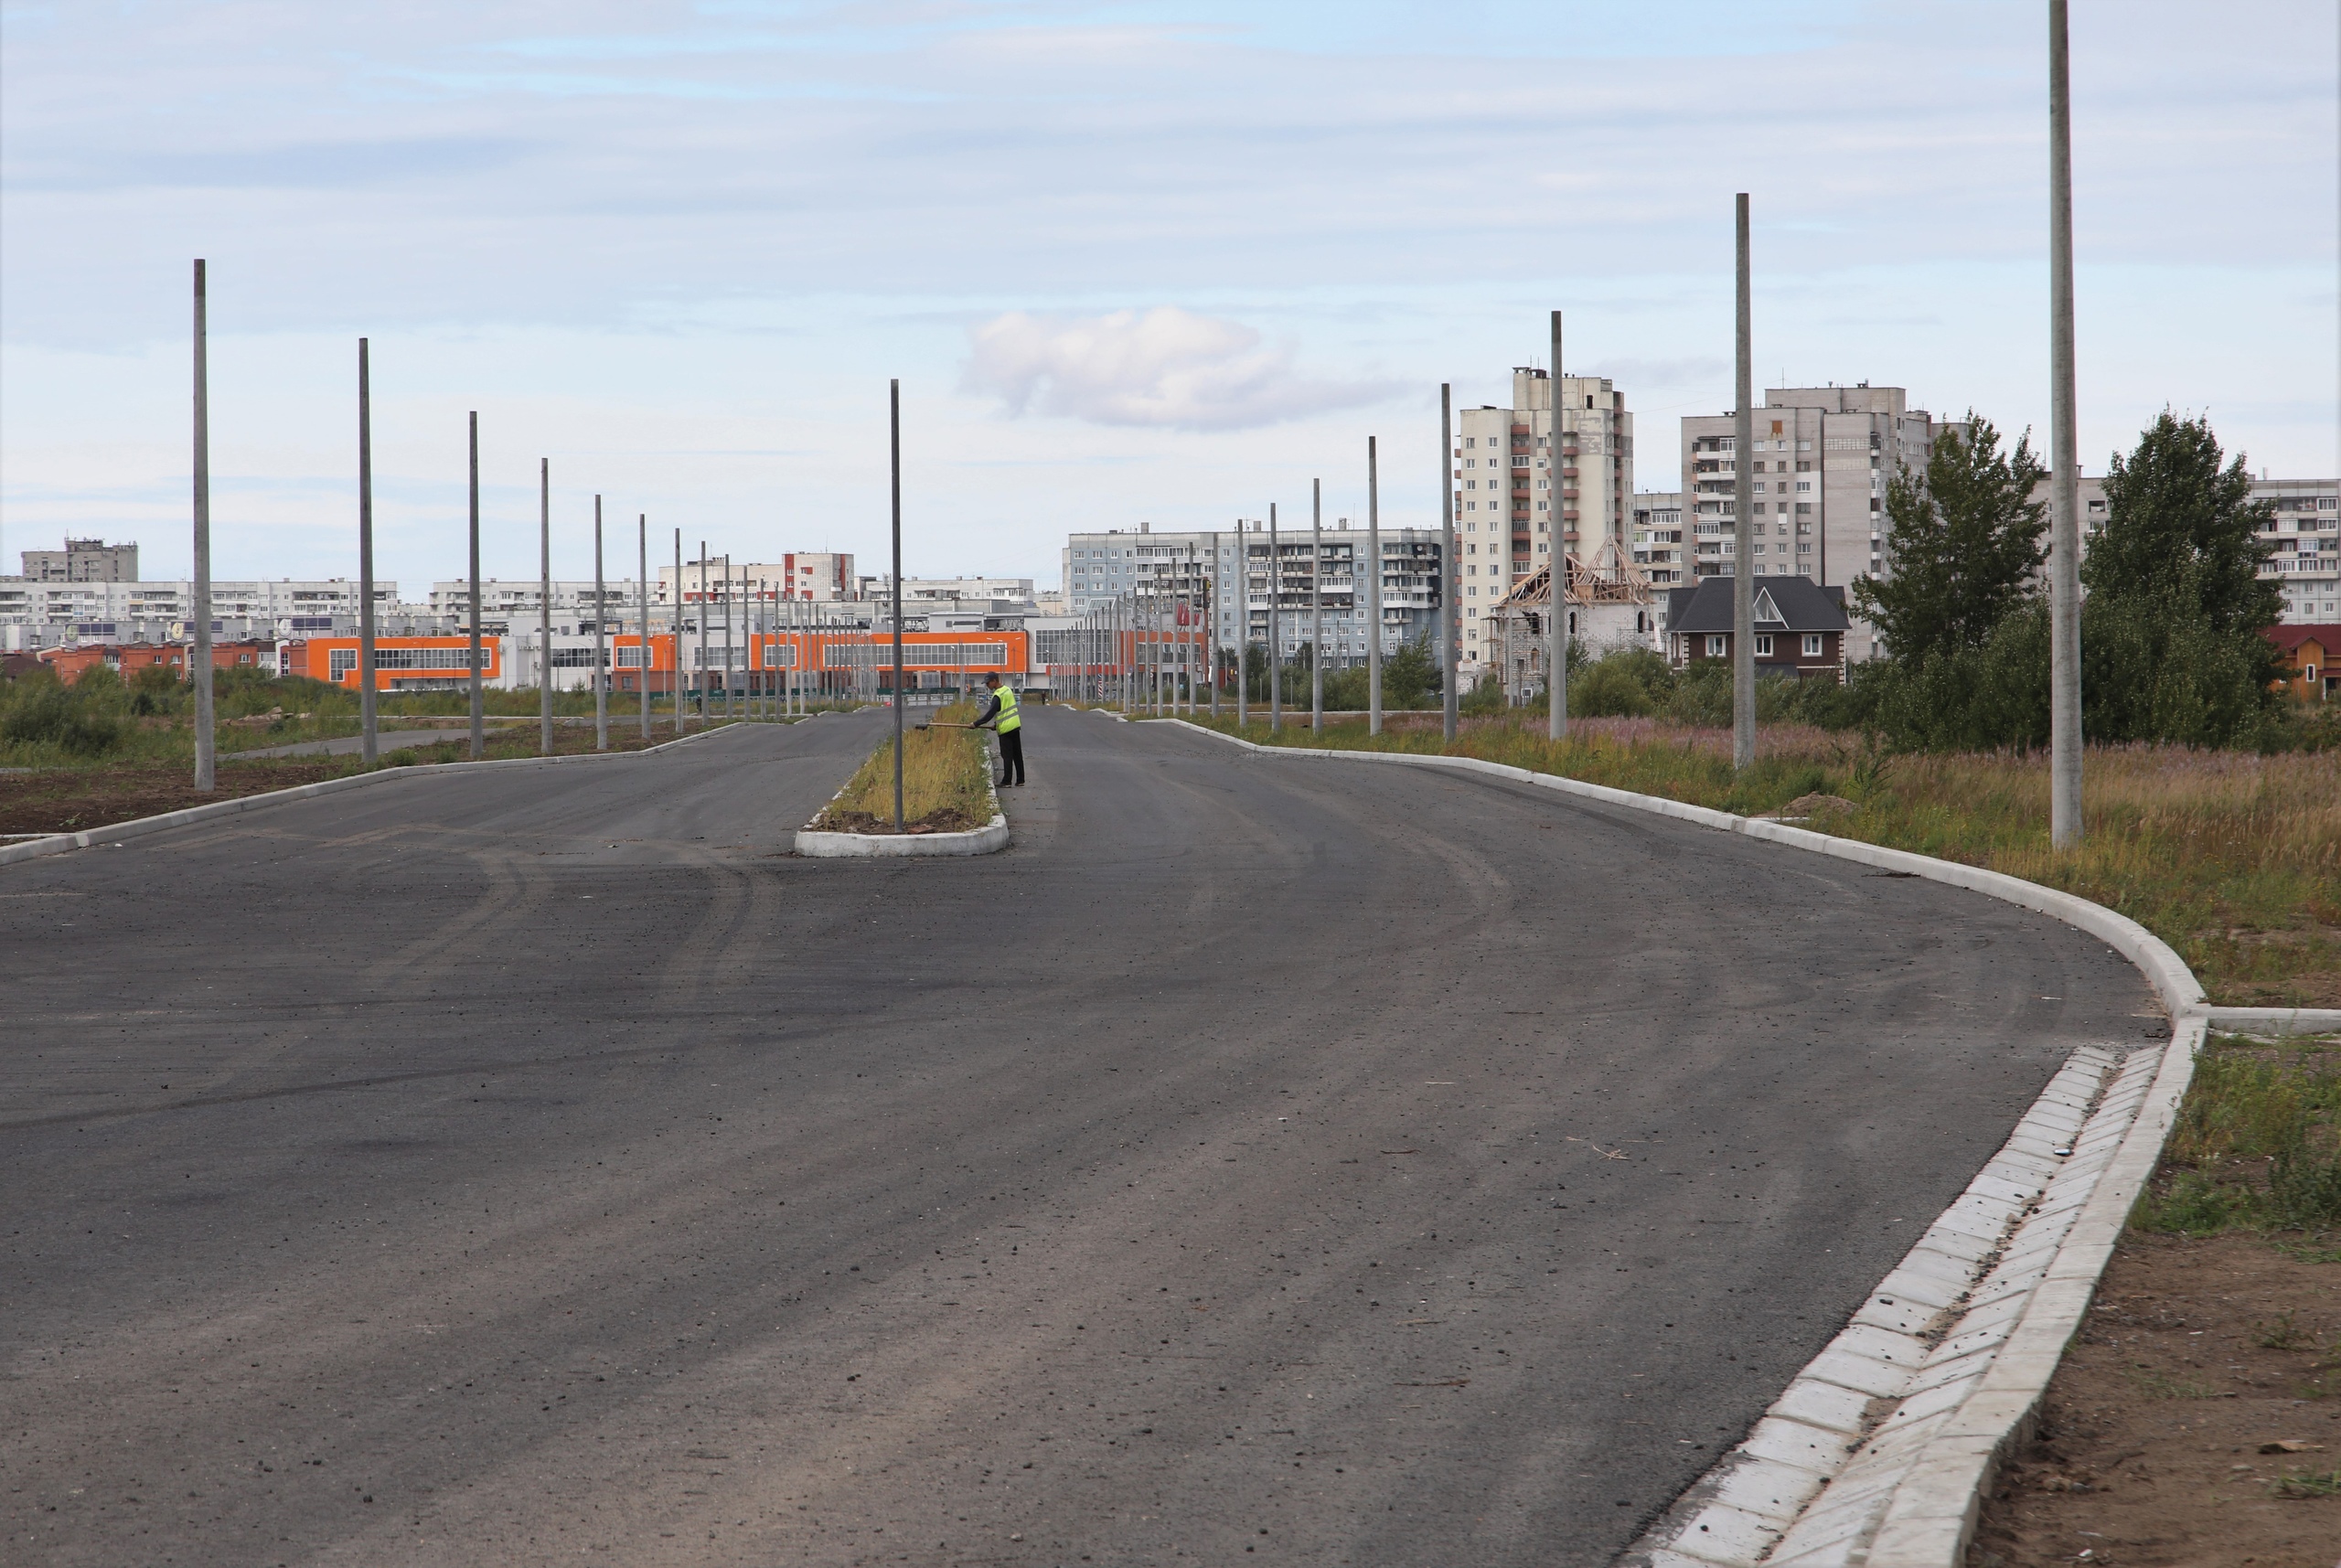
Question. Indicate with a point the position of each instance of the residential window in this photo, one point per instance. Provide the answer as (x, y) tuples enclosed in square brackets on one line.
[(1812, 644), (1763, 644), (1715, 647)]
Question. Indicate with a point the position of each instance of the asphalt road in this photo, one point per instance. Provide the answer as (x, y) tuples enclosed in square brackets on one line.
[(1316, 1163)]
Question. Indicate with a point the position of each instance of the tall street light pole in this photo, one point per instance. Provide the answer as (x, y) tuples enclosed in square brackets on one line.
[(200, 674), (1242, 628), (676, 619), (1372, 591), (1316, 607), (1743, 527), (642, 598), (1275, 638), (1447, 574), (2064, 535), (544, 606), (894, 457), (479, 700), (1556, 573), (368, 724), (601, 642), (1218, 587)]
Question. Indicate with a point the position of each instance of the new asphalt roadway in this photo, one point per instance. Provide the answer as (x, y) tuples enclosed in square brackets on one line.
[(1260, 1161)]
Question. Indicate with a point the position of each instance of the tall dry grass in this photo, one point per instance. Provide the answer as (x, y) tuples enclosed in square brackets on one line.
[(945, 776), (2232, 858)]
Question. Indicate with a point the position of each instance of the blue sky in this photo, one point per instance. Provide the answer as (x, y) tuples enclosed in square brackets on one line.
[(1159, 260)]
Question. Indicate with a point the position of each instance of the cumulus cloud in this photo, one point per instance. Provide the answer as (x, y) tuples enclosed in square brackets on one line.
[(1165, 367)]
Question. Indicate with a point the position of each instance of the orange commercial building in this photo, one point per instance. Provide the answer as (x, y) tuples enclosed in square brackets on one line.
[(401, 664), (831, 661)]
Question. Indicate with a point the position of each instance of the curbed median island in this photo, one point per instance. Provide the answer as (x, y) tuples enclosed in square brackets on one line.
[(948, 805)]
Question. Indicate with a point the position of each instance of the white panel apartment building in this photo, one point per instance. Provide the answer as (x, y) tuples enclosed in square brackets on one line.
[(34, 615), (1506, 498), (2306, 530), (1100, 567), (1656, 530), (823, 575), (1822, 460)]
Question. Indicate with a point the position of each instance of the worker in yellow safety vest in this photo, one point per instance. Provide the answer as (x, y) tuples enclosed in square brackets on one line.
[(1002, 715)]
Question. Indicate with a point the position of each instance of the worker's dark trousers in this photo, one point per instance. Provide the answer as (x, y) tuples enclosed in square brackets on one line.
[(1012, 757)]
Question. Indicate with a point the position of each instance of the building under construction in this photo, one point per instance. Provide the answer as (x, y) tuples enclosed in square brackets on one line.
[(1609, 606)]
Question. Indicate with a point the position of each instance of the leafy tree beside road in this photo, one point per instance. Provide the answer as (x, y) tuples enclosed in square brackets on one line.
[(2171, 631), (1965, 541)]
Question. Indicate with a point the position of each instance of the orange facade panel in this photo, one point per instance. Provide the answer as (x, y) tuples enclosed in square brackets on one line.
[(399, 663)]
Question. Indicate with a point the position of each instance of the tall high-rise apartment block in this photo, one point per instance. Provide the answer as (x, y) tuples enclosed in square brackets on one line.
[(1511, 493), (1822, 457), (1655, 533), (83, 561), (2305, 528)]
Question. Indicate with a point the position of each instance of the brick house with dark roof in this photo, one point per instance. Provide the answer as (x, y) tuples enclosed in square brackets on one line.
[(1800, 627)]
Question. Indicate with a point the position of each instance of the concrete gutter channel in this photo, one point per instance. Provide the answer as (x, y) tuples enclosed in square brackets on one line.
[(1880, 1453), (115, 833)]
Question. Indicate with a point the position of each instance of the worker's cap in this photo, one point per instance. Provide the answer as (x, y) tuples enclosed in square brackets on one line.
[(992, 681)]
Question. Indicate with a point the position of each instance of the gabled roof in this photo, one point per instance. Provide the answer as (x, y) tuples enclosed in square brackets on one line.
[(1784, 604), (2288, 638)]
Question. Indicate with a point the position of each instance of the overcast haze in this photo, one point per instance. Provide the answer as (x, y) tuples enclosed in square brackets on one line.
[(1131, 261)]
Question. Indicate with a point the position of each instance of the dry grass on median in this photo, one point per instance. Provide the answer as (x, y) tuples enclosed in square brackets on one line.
[(945, 777), (2232, 858)]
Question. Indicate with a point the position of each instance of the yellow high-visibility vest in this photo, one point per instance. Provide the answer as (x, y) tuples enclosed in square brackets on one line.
[(1009, 718)]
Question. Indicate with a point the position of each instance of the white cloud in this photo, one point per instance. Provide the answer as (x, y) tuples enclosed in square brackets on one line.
[(1165, 367)]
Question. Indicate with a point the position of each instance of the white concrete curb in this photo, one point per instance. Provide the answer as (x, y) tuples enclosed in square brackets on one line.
[(114, 833), (2277, 1022), (988, 839), (1965, 1335)]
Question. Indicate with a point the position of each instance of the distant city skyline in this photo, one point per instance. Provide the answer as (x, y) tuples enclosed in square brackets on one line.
[(1133, 261)]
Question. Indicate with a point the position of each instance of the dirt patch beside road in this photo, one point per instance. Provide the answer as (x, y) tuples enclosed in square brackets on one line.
[(2196, 1417), (2199, 1356), (68, 800)]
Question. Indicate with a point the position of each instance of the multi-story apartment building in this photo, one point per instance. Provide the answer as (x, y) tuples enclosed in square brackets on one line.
[(1229, 570), (1822, 456), (1304, 575), (53, 614), (83, 561), (2306, 528), (508, 605), (1510, 494), (1015, 592), (823, 575), (1655, 534)]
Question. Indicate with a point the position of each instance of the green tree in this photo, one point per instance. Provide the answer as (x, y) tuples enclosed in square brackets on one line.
[(1964, 538), (1410, 675), (2171, 632), (2181, 529)]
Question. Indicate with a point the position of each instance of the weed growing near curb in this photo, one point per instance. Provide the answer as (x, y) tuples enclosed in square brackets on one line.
[(2256, 1145)]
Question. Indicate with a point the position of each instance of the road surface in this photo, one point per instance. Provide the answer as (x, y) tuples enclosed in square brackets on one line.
[(1295, 1163)]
